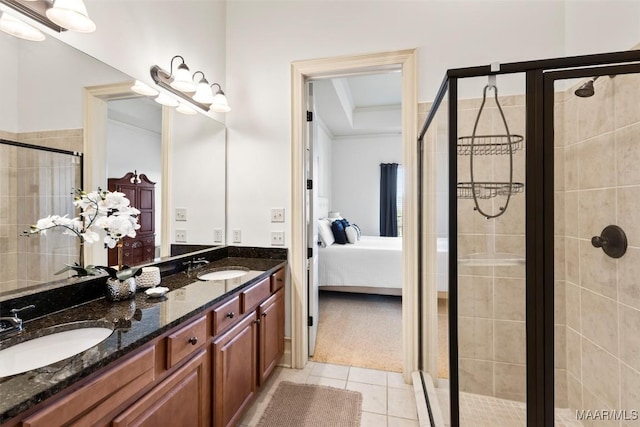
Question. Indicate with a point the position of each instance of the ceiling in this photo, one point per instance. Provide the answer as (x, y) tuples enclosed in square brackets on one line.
[(368, 104)]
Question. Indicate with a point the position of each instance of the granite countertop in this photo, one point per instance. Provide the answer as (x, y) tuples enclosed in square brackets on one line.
[(135, 322)]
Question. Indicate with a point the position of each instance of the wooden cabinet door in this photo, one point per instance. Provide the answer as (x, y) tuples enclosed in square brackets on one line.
[(180, 400), (235, 367), (271, 315)]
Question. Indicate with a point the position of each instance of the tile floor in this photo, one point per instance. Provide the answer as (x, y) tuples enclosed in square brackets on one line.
[(386, 400)]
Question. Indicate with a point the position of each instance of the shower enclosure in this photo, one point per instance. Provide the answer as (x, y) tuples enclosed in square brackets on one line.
[(537, 190)]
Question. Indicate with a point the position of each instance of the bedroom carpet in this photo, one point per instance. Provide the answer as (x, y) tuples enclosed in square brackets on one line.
[(307, 405), (360, 330)]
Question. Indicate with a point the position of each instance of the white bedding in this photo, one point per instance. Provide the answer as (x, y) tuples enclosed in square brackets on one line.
[(370, 262)]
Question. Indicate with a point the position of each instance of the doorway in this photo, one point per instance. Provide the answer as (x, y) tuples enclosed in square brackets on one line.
[(355, 164), (302, 73)]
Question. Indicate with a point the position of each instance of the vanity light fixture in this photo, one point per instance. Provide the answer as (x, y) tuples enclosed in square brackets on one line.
[(20, 29), (166, 100), (58, 15), (185, 109), (71, 14), (143, 89), (203, 98)]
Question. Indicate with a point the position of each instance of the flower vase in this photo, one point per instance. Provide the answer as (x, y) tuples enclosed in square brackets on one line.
[(120, 290)]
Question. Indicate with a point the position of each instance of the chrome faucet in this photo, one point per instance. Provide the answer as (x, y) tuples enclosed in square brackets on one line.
[(15, 323), (195, 264)]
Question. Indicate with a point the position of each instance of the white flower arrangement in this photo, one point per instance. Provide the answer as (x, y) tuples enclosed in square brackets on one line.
[(100, 211)]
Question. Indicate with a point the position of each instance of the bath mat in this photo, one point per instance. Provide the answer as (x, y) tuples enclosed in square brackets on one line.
[(299, 405)]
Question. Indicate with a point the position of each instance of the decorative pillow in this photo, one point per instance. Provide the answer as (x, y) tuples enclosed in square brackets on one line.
[(339, 234), (352, 234), (325, 235), (357, 230)]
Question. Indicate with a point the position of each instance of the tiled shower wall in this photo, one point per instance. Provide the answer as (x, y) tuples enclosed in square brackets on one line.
[(34, 184), (601, 186)]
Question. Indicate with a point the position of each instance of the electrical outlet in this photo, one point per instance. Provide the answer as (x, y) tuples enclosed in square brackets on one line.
[(181, 236), (277, 215), (277, 238), (180, 294), (217, 235), (181, 214), (237, 236)]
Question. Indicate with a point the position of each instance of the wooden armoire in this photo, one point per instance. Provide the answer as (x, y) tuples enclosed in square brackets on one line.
[(141, 192)]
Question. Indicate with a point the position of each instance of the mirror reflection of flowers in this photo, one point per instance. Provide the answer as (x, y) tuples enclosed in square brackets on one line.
[(100, 211)]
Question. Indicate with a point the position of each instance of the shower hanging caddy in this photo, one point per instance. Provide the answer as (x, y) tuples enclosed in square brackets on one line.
[(489, 145)]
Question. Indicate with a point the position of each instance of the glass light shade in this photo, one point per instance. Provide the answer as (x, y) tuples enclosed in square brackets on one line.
[(71, 14), (203, 94), (220, 104), (185, 109), (166, 100), (143, 89), (182, 79), (17, 28)]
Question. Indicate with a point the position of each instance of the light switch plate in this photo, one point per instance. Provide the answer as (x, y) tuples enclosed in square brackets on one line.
[(181, 214), (277, 215), (277, 238), (181, 236)]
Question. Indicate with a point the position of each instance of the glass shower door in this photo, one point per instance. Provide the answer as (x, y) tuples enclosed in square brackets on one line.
[(596, 137)]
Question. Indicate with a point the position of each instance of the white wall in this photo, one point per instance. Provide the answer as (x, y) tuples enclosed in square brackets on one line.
[(198, 153), (356, 177)]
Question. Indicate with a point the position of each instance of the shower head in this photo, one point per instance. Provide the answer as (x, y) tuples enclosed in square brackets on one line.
[(586, 90)]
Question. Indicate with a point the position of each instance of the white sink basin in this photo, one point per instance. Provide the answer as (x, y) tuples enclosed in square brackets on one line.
[(223, 274), (43, 351)]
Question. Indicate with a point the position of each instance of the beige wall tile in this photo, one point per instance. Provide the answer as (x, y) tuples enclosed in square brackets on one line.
[(627, 91), (509, 297), (572, 259), (629, 272), (476, 376), (559, 228), (571, 121), (513, 220), (594, 403), (597, 270), (571, 167), (600, 320), (475, 296), (560, 385), (574, 353), (475, 338), (630, 336), (596, 158), (560, 299), (628, 155), (574, 392), (560, 349), (630, 392), (629, 213), (600, 374), (572, 213), (559, 121), (597, 209), (510, 341), (510, 381), (595, 114), (559, 261)]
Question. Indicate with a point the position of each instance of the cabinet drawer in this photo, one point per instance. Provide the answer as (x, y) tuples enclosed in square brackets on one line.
[(277, 280), (250, 298), (226, 315), (99, 397), (186, 341)]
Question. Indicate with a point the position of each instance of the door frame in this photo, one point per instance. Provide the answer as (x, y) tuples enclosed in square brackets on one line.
[(301, 71)]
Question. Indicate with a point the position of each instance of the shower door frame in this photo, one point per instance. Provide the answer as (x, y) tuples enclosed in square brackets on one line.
[(539, 229)]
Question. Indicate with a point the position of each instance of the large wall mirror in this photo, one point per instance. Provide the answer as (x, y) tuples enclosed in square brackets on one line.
[(58, 97)]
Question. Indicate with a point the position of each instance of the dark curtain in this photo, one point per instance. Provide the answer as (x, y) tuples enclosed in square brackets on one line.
[(388, 195)]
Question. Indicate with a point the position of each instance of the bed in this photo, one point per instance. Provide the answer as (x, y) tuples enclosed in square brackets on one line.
[(371, 265)]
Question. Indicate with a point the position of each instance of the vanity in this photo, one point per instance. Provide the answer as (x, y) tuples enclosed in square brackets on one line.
[(195, 357)]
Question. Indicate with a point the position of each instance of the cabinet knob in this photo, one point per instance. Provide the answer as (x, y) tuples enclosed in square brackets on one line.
[(231, 314), (264, 314), (257, 321), (193, 340), (279, 280)]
